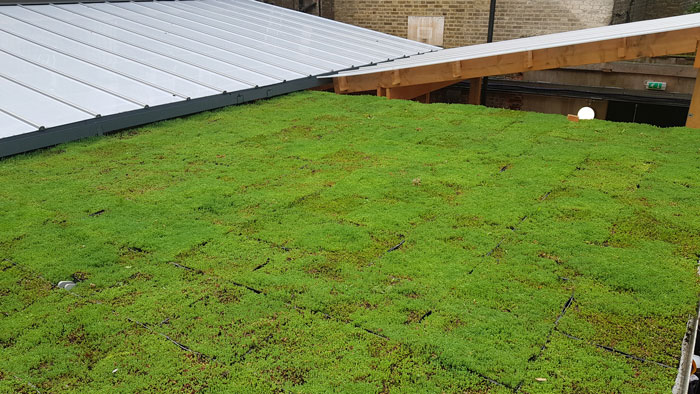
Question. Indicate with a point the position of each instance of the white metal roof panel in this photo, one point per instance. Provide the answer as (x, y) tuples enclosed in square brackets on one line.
[(36, 28), (535, 43), (85, 73), (161, 60), (278, 27), (140, 41), (34, 108), (84, 97), (133, 32), (12, 125), (264, 50), (350, 31), (276, 39), (64, 64)]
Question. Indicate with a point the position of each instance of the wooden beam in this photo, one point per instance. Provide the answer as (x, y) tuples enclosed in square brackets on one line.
[(649, 45), (368, 81), (411, 92), (425, 99), (475, 85), (324, 87), (693, 120)]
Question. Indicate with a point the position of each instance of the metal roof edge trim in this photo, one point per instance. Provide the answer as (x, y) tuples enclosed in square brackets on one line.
[(110, 123)]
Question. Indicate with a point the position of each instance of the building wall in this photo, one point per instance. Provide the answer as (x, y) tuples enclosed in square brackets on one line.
[(527, 18), (466, 21), (463, 19), (637, 10)]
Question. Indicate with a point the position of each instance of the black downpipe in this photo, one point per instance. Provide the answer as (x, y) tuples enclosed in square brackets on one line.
[(489, 39), (492, 21)]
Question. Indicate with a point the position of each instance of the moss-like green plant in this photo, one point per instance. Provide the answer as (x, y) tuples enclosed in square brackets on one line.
[(317, 243)]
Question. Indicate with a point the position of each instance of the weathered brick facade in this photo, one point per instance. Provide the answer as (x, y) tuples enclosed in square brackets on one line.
[(526, 18), (466, 21), (463, 19), (636, 10)]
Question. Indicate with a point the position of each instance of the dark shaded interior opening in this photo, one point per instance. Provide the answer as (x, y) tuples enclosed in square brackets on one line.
[(653, 114)]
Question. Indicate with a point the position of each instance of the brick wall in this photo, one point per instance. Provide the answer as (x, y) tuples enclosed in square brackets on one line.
[(466, 21), (637, 10), (527, 18)]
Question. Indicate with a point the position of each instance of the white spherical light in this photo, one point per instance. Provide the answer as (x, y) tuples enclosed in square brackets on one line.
[(586, 113)]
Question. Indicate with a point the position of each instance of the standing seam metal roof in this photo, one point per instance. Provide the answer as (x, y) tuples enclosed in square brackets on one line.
[(63, 64)]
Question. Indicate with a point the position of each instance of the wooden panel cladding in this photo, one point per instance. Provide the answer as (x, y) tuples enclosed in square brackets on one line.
[(694, 111)]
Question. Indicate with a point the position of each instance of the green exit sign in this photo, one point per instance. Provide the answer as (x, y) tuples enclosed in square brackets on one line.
[(653, 85)]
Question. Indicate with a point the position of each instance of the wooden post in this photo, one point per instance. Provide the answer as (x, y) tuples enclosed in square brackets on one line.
[(389, 93), (475, 91), (396, 78), (693, 120), (340, 85)]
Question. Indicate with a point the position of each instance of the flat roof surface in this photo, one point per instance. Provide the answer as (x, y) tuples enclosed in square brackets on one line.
[(66, 63), (534, 43)]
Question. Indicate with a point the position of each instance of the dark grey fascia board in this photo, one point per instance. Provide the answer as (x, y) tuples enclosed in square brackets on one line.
[(98, 126)]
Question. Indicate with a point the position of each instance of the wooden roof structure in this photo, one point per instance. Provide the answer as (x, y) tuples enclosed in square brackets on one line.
[(418, 75)]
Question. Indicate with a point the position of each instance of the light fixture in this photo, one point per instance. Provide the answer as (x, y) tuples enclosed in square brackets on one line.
[(586, 113)]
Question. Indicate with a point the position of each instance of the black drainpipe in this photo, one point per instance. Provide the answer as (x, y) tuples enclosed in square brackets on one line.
[(489, 38)]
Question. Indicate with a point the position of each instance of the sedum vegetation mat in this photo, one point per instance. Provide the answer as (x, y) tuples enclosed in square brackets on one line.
[(317, 243)]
